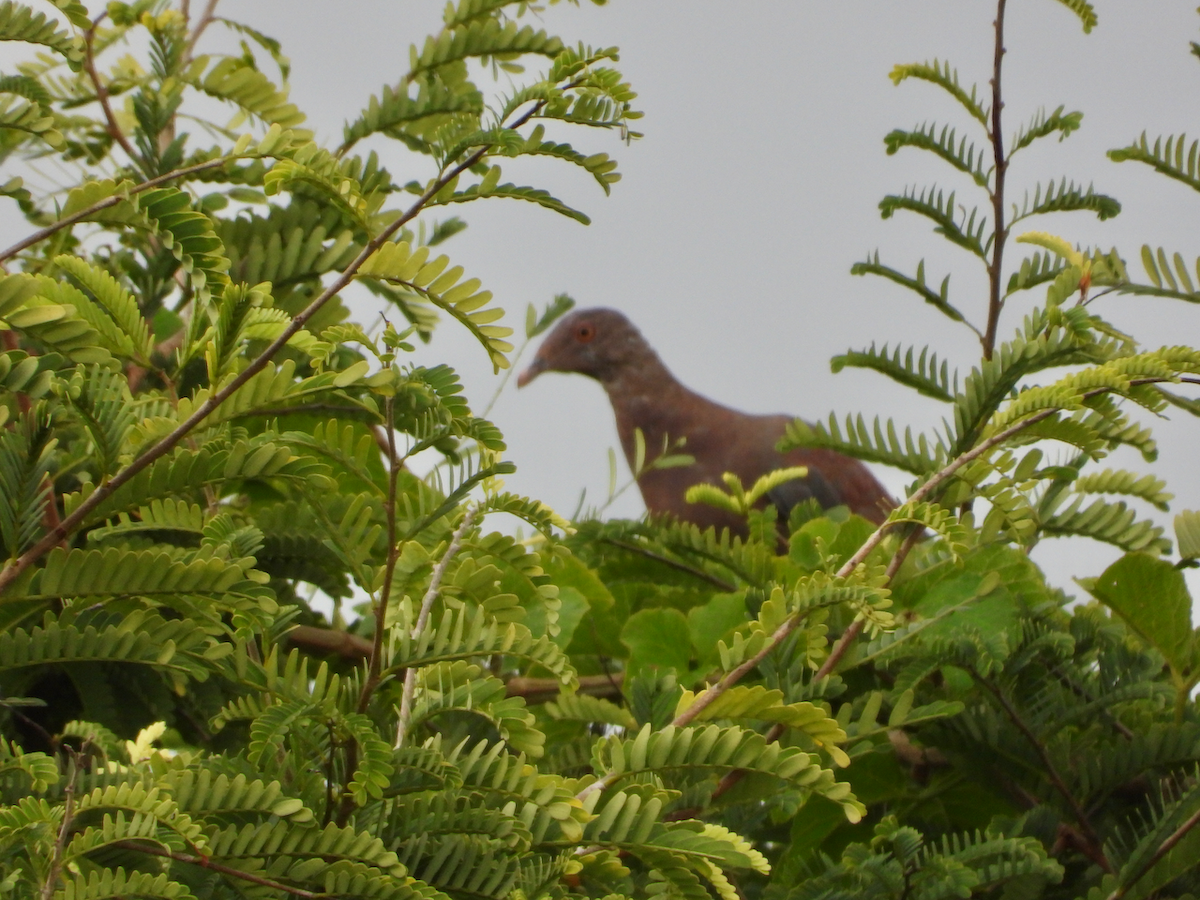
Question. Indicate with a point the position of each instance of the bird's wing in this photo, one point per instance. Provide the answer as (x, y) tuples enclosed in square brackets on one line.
[(792, 493)]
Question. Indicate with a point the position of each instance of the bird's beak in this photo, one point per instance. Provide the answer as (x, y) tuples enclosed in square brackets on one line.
[(534, 369)]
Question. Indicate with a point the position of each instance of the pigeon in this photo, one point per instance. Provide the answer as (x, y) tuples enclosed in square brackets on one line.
[(603, 344)]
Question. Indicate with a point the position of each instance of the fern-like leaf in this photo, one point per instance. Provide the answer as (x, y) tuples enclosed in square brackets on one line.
[(923, 374), (1173, 158), (20, 23), (938, 298), (967, 230), (945, 144), (25, 490), (947, 79), (1065, 197), (861, 442)]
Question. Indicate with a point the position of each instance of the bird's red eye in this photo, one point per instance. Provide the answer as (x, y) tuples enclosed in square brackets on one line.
[(585, 333)]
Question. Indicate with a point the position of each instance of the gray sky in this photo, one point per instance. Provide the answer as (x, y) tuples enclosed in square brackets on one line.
[(730, 239)]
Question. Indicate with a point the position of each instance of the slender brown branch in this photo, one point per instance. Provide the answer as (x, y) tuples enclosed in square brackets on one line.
[(50, 885), (901, 553), (205, 862), (852, 632), (328, 640), (387, 445), (355, 647), (716, 582), (702, 701), (1000, 233), (99, 206), (164, 446), (928, 488), (206, 19), (89, 66), (1081, 817), (374, 666), (1163, 849), (1066, 834), (536, 690), (330, 774), (404, 719), (381, 606), (333, 410), (1065, 680)]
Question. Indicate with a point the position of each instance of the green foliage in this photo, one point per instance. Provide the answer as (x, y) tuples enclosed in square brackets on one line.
[(1062, 709), (247, 651)]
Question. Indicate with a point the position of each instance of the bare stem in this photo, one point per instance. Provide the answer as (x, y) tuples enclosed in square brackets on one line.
[(851, 633), (381, 606), (50, 885), (505, 378), (1163, 849), (67, 221), (719, 583), (202, 23), (404, 719), (1000, 233), (535, 690), (205, 862), (89, 66)]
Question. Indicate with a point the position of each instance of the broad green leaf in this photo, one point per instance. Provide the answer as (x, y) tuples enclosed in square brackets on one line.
[(714, 620), (1152, 597), (657, 637)]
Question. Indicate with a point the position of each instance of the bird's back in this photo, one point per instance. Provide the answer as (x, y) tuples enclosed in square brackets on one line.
[(720, 440)]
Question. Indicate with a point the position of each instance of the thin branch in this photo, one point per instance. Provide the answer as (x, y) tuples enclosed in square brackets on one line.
[(327, 640), (67, 221), (1000, 234), (205, 862), (1051, 771), (536, 690), (973, 454), (330, 773), (381, 606), (164, 446), (435, 584), (89, 66), (716, 582), (205, 20), (349, 646), (50, 885), (850, 634), (1065, 680), (334, 410), (708, 696), (1163, 849), (505, 378)]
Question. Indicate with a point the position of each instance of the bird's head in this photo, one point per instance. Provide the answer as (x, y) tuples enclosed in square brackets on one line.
[(599, 343)]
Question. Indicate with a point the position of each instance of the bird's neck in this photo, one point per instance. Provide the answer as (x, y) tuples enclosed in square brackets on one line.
[(648, 397)]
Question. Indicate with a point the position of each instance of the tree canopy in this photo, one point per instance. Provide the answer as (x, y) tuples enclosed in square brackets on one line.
[(248, 652)]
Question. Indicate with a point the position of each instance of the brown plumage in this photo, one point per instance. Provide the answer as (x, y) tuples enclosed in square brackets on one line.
[(604, 345)]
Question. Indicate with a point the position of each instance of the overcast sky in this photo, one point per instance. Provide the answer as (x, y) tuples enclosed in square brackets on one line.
[(730, 238)]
